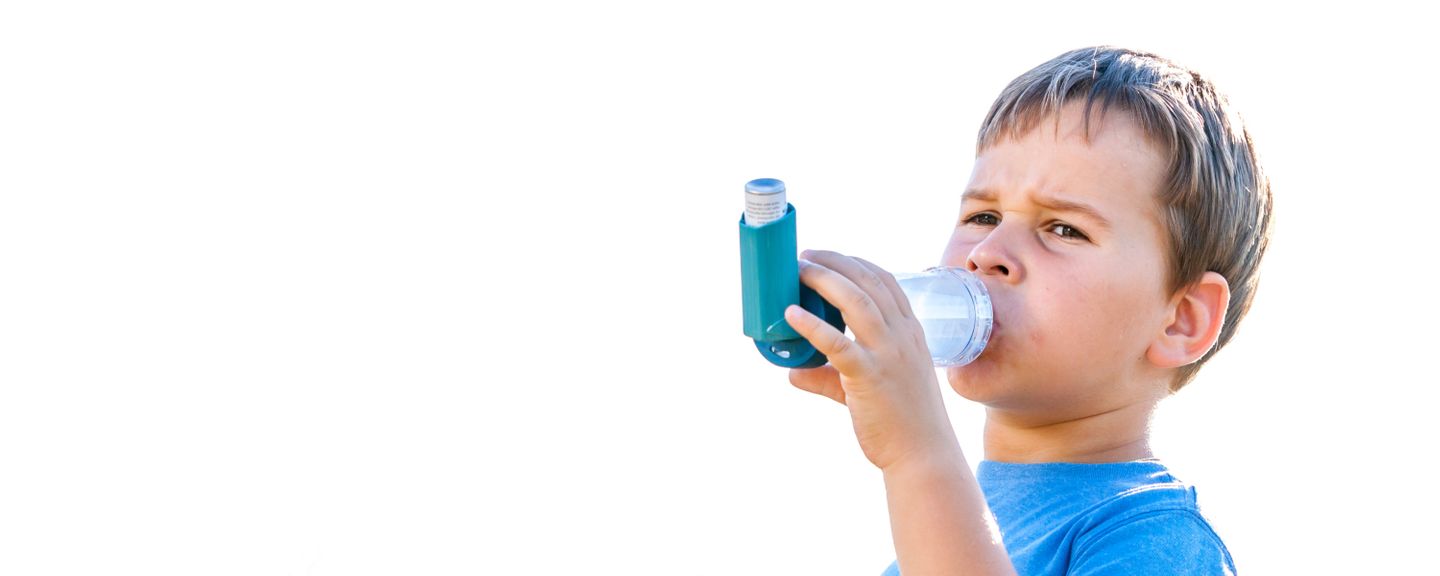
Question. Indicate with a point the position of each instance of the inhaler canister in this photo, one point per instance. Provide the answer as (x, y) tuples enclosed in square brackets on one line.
[(764, 201)]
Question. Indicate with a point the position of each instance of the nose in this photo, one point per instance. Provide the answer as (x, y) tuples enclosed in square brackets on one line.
[(995, 257)]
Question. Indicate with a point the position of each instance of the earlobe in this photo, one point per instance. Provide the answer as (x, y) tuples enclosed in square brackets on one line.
[(1197, 314)]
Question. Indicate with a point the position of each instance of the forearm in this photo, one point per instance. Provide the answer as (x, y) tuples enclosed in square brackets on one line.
[(940, 521)]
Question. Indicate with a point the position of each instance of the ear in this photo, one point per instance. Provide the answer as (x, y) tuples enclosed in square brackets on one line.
[(1196, 315)]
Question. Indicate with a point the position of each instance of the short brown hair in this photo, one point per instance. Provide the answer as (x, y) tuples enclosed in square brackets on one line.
[(1215, 202)]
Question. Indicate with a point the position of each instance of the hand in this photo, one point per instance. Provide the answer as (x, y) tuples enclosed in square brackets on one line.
[(885, 375)]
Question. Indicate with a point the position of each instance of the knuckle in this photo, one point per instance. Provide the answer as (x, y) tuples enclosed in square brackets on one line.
[(875, 281), (841, 346), (917, 338), (872, 268), (861, 300)]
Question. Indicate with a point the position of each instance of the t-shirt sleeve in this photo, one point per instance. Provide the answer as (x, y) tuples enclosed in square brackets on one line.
[(1161, 542)]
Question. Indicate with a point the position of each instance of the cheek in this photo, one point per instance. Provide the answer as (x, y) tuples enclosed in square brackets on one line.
[(958, 248), (1068, 313), (1125, 305), (956, 252), (1080, 315)]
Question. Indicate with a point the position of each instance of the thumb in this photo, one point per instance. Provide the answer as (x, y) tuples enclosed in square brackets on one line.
[(824, 381)]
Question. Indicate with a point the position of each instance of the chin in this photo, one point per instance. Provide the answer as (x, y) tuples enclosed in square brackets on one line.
[(975, 381)]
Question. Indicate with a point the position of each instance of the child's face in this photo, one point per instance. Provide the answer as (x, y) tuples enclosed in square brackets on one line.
[(1078, 294)]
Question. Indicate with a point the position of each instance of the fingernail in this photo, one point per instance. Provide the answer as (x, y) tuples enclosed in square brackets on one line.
[(805, 254)]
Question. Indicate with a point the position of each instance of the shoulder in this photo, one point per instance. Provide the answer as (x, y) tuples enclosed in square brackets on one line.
[(1153, 529)]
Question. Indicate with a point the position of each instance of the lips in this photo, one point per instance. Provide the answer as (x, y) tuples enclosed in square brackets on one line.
[(994, 327), (996, 314)]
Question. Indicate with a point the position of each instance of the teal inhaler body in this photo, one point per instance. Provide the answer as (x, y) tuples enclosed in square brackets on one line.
[(770, 282)]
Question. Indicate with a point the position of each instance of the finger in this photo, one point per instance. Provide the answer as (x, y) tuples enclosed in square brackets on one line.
[(857, 307), (844, 353), (824, 381), (902, 302), (862, 276)]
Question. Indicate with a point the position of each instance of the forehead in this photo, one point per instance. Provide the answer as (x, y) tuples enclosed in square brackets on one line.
[(1118, 171)]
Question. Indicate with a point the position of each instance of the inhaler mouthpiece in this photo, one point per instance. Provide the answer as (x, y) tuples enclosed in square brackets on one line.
[(953, 307)]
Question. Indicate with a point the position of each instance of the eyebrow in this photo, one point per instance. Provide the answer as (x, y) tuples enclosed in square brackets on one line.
[(1051, 202)]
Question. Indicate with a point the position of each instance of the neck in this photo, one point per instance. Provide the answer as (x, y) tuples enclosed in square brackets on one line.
[(1117, 435)]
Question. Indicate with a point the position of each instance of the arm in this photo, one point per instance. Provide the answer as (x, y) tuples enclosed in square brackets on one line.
[(939, 518), (886, 378)]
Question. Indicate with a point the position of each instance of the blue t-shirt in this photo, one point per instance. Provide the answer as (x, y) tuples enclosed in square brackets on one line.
[(1088, 519)]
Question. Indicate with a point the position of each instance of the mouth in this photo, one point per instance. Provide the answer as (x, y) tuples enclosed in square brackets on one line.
[(995, 329)]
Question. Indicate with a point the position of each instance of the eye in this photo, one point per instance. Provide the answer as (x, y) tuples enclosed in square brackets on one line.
[(1068, 231), (983, 219)]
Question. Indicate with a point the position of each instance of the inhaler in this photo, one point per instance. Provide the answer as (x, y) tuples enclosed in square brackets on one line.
[(952, 305)]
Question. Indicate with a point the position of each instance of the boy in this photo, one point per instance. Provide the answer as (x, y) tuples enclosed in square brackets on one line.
[(1117, 215)]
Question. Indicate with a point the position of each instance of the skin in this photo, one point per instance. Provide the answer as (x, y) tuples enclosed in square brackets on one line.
[(1086, 340)]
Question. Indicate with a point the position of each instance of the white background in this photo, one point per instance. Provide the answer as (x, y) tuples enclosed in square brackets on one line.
[(452, 288)]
